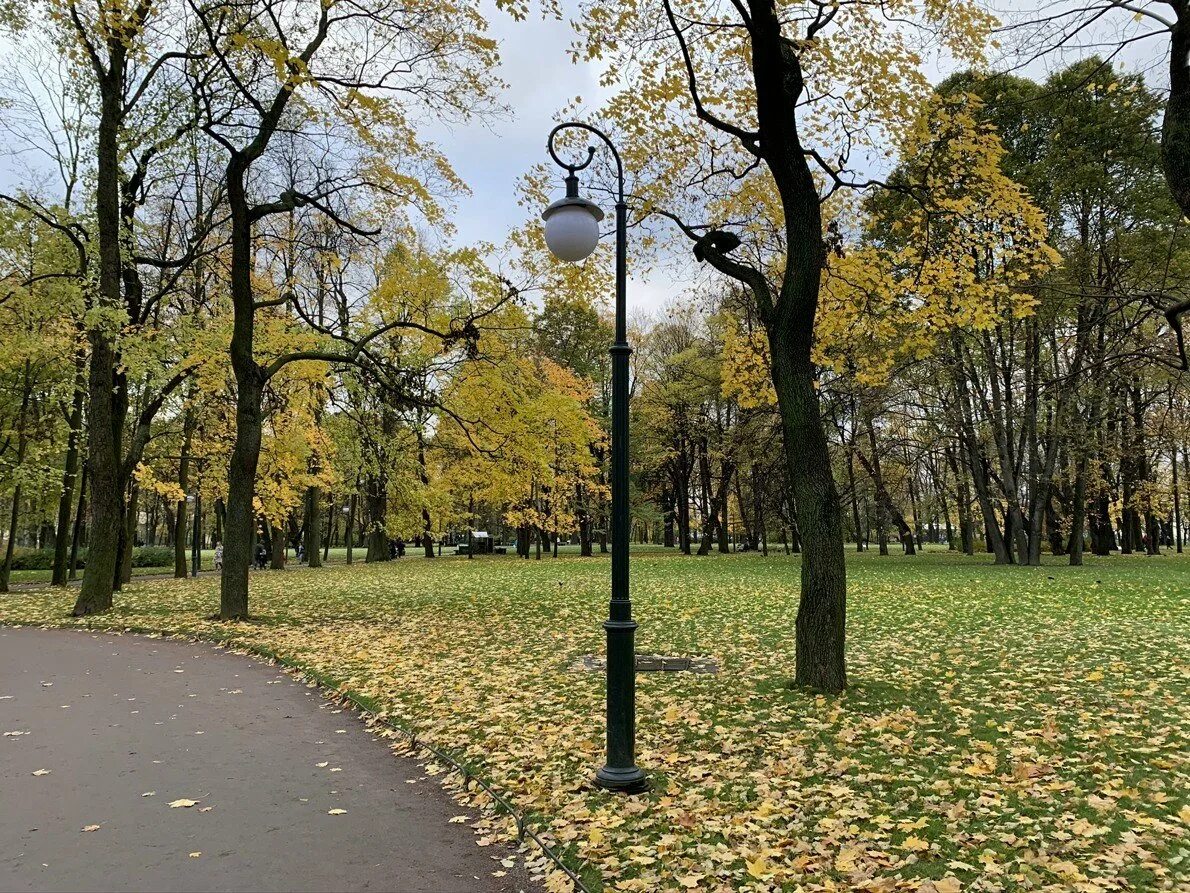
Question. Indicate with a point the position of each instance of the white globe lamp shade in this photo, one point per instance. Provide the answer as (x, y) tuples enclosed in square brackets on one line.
[(572, 228)]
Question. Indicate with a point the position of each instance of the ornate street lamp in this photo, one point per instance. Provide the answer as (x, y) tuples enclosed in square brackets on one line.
[(572, 232)]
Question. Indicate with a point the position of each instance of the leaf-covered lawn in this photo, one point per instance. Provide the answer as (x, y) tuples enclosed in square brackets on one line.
[(1006, 728)]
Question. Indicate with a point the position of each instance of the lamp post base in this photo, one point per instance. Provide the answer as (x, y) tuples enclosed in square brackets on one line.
[(622, 781)]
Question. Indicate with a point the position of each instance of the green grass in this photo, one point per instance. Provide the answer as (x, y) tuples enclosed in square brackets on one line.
[(334, 556), (1006, 728), (44, 576)]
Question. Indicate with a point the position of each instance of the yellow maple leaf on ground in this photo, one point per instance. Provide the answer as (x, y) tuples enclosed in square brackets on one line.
[(758, 867), (845, 861)]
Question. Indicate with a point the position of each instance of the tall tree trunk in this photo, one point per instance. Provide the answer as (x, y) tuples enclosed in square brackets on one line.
[(950, 547), (245, 456), (885, 507), (105, 421), (1177, 500), (584, 535), (727, 473), (822, 612), (789, 317), (795, 536), (22, 425), (881, 506), (859, 533), (128, 537), (179, 533), (1053, 526), (758, 513), (277, 544), (683, 498), (332, 532), (10, 547), (1129, 522), (76, 538), (377, 540), (1078, 510), (313, 544), (915, 530), (963, 497), (972, 458), (22, 448), (377, 504), (70, 472), (667, 507), (152, 522), (424, 476), (710, 517), (239, 517), (1175, 128)]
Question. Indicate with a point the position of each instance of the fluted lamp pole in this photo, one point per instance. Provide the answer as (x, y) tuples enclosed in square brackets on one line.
[(572, 232)]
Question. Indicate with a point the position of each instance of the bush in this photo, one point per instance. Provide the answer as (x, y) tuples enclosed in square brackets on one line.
[(152, 556), (43, 559), (32, 560)]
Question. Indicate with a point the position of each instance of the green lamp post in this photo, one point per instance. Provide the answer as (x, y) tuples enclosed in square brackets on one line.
[(572, 232)]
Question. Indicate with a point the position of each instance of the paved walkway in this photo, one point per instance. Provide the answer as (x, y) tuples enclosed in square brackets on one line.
[(121, 726)]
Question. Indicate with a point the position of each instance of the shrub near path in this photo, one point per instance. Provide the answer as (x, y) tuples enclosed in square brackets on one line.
[(1006, 728)]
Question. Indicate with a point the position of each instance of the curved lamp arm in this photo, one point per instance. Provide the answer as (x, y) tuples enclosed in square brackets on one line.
[(578, 125)]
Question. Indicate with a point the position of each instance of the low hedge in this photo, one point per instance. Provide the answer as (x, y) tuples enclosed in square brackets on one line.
[(35, 560), (154, 556), (43, 559)]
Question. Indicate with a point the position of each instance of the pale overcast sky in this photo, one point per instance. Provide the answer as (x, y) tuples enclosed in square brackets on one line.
[(491, 157)]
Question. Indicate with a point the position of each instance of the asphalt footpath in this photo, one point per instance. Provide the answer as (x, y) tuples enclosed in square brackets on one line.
[(130, 763)]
